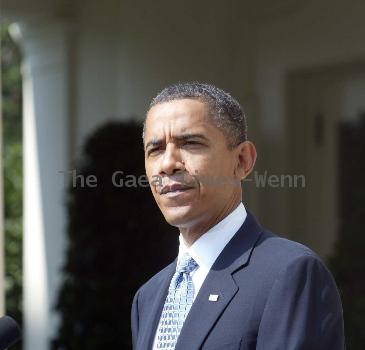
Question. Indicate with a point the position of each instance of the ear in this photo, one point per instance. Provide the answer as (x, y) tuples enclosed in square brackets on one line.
[(246, 158)]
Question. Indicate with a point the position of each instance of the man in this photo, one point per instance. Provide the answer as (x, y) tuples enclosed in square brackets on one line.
[(234, 284)]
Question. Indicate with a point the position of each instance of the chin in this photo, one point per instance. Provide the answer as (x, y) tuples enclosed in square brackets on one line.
[(177, 221), (178, 216)]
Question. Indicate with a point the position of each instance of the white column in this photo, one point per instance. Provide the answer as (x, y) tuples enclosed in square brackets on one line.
[(46, 142)]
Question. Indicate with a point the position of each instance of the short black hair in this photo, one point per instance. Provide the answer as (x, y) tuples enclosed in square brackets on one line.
[(226, 113)]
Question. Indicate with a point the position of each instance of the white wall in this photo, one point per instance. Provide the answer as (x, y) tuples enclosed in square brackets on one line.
[(319, 34), (125, 58), (335, 94)]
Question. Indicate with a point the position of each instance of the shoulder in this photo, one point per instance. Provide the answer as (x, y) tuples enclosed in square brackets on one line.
[(276, 257), (268, 253), (282, 251), (297, 293), (281, 270)]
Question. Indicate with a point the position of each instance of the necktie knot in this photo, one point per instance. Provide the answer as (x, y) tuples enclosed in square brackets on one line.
[(186, 264)]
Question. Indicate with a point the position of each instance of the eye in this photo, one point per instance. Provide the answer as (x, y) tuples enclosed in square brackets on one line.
[(153, 151), (192, 143)]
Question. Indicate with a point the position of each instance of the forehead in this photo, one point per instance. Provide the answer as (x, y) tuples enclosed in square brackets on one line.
[(177, 115)]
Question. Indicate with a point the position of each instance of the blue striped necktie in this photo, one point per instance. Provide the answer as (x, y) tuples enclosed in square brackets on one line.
[(177, 304)]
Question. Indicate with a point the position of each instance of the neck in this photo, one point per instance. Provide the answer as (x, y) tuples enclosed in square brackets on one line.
[(194, 232)]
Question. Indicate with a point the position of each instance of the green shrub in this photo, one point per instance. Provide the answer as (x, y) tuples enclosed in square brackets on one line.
[(13, 176), (117, 240)]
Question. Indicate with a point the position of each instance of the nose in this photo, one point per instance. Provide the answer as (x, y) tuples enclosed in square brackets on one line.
[(171, 161)]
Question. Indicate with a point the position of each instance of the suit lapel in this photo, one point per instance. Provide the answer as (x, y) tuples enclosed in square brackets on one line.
[(158, 296), (204, 313), (219, 281)]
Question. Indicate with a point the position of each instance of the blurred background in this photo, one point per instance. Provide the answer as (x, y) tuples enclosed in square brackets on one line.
[(76, 80)]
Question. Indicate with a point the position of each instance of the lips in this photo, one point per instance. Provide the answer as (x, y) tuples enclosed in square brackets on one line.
[(175, 188)]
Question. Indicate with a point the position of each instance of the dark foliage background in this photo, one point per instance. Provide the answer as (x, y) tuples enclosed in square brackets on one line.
[(348, 265), (117, 240), (11, 90)]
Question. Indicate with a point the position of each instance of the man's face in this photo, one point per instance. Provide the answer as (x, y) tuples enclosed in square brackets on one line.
[(191, 169)]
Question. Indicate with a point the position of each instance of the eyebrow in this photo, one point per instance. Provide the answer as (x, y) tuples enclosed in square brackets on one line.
[(181, 137)]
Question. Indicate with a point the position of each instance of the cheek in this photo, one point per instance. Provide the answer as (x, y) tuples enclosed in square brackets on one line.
[(198, 164), (203, 170), (150, 172)]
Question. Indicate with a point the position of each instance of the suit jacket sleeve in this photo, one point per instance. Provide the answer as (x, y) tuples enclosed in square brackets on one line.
[(303, 310), (135, 319)]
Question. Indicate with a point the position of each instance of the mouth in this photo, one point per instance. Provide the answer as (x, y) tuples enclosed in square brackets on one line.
[(174, 189)]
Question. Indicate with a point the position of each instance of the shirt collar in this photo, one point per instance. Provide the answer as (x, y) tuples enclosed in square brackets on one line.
[(206, 249)]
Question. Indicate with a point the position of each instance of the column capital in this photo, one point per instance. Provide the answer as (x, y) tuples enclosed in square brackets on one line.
[(44, 43)]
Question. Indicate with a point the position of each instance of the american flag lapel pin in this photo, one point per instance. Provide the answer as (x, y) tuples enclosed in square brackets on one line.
[(213, 297)]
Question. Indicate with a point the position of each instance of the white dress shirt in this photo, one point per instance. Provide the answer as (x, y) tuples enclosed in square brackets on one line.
[(206, 249)]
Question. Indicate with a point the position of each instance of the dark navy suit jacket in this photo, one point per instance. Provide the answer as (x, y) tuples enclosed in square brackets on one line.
[(274, 294)]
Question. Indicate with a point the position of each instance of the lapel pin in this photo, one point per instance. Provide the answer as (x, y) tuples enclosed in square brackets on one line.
[(213, 297)]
